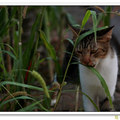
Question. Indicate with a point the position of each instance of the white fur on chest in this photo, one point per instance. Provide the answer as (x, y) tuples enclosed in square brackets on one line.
[(90, 84)]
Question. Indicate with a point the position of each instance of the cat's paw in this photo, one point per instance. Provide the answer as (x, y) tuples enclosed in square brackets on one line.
[(105, 106)]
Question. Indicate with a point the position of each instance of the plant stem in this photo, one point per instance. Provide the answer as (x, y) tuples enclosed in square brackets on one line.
[(20, 77), (61, 37), (59, 94), (77, 97), (42, 15), (47, 32), (2, 61), (34, 58), (8, 58), (41, 22), (107, 16)]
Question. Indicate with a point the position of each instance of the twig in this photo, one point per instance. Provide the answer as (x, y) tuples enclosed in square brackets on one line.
[(24, 11), (77, 97)]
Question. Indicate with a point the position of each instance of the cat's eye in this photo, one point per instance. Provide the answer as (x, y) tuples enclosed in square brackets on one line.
[(103, 50), (93, 51), (78, 51)]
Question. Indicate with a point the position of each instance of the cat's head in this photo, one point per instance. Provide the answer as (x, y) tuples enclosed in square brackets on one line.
[(90, 52)]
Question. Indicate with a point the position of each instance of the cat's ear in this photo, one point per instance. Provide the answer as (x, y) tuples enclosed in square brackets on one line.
[(105, 35), (74, 30)]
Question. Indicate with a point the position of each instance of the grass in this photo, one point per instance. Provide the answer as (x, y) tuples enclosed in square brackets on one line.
[(25, 60)]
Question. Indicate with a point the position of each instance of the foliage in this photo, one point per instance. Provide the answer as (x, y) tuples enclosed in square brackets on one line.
[(20, 59)]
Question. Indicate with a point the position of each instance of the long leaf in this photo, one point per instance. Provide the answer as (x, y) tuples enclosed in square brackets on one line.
[(88, 33), (5, 27), (49, 47), (16, 98), (52, 53), (71, 41), (94, 18), (28, 108), (91, 101), (32, 108), (2, 65), (9, 53), (100, 17), (21, 85), (30, 45), (103, 83), (86, 17), (10, 48)]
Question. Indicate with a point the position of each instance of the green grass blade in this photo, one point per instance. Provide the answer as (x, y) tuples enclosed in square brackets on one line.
[(76, 25), (9, 53), (71, 41), (20, 51), (91, 101), (85, 19), (10, 48), (16, 98), (21, 85), (100, 17), (107, 16), (43, 59), (29, 107), (88, 33), (33, 108), (103, 83), (30, 45), (2, 65), (94, 18), (49, 47), (52, 53), (5, 26)]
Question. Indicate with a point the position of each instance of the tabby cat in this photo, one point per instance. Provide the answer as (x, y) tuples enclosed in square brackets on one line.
[(100, 55)]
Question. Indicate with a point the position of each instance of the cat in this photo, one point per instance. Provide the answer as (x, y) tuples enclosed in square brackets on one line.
[(100, 55)]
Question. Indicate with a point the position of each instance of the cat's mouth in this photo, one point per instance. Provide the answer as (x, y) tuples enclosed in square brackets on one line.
[(89, 64), (87, 61)]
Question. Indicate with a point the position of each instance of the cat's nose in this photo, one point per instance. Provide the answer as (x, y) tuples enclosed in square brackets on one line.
[(86, 59)]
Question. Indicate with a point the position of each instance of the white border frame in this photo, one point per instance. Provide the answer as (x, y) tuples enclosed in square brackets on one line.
[(59, 3), (60, 113)]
